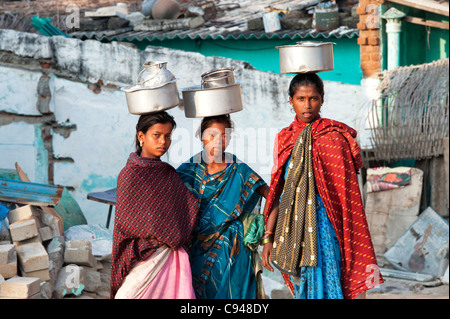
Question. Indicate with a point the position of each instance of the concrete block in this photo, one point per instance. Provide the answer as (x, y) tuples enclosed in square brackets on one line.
[(92, 279), (23, 212), (106, 267), (47, 290), (55, 250), (46, 233), (42, 274), (35, 296), (9, 270), (32, 257), (51, 221), (6, 252), (105, 282), (79, 252), (20, 287), (70, 281), (35, 239), (23, 229)]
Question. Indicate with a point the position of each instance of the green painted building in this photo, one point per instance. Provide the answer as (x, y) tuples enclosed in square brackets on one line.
[(419, 43), (261, 53)]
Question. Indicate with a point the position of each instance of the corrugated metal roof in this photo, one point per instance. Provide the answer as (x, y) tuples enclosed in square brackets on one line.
[(211, 33)]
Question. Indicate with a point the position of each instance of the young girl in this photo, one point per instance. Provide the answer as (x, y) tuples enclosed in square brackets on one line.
[(317, 233), (223, 257), (155, 216)]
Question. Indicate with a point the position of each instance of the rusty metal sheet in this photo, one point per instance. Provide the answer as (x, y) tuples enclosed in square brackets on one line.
[(29, 193)]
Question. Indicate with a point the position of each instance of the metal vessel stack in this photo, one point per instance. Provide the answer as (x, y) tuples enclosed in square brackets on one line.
[(218, 93), (156, 91)]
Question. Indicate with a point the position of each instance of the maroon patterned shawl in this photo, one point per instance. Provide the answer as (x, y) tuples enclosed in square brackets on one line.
[(153, 208)]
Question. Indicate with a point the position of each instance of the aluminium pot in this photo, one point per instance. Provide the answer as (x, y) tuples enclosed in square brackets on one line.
[(217, 78), (203, 102), (155, 73), (143, 100), (306, 57)]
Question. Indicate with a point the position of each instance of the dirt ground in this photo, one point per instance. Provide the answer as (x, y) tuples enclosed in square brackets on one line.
[(392, 289), (401, 289)]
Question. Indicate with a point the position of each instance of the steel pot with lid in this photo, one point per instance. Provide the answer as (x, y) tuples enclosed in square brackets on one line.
[(306, 57), (143, 100), (155, 73), (156, 90), (217, 78), (218, 94), (200, 102)]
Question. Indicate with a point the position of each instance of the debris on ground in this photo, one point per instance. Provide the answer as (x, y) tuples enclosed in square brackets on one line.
[(37, 264), (47, 250)]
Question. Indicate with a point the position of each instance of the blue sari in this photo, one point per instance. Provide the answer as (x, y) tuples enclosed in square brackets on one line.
[(323, 281), (223, 266)]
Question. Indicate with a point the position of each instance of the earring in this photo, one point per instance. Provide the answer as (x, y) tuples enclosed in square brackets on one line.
[(140, 143)]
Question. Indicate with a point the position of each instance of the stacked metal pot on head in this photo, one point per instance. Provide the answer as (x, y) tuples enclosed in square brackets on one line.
[(156, 90), (217, 94), (306, 57)]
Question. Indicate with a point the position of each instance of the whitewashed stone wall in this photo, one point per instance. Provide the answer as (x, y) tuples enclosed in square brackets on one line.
[(88, 155)]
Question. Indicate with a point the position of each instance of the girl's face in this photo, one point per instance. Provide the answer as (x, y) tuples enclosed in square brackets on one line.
[(156, 141), (216, 139), (306, 103)]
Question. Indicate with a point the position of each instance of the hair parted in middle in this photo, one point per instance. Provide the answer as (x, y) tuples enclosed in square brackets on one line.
[(306, 79), (148, 120), (208, 121)]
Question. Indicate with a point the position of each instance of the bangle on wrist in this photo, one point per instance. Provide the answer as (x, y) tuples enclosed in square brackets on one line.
[(265, 240)]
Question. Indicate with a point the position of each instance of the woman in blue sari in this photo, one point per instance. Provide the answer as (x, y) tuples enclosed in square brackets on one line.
[(224, 259)]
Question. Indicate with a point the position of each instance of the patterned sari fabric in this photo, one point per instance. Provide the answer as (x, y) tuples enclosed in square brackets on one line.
[(323, 281), (295, 242), (223, 266), (153, 209), (336, 161)]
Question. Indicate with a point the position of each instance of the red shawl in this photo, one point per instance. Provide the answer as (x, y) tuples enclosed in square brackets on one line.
[(336, 161), (153, 208)]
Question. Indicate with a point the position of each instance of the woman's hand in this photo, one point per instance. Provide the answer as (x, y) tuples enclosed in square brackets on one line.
[(267, 251)]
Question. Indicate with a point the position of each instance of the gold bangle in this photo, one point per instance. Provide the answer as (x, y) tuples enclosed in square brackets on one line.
[(266, 240)]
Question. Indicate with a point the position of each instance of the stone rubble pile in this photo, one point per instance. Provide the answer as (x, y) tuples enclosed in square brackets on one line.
[(36, 262)]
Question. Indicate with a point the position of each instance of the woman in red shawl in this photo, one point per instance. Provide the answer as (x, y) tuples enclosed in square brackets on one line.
[(155, 216), (316, 228)]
